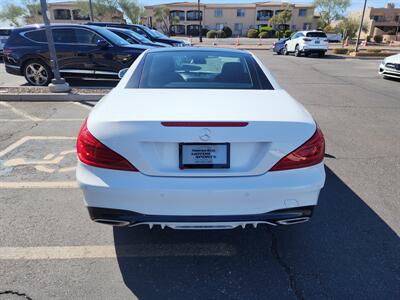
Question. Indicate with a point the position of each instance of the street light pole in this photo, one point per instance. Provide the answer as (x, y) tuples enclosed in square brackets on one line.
[(91, 11), (361, 25), (200, 17), (58, 84)]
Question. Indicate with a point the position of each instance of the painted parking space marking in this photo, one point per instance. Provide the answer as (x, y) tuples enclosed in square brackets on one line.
[(109, 251), (19, 112), (39, 157)]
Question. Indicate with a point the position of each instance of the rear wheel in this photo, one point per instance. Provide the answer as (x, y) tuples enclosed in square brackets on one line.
[(37, 72), (321, 54), (285, 51), (297, 52)]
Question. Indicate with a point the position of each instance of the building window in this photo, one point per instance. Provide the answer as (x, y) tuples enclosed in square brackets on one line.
[(77, 15), (177, 13), (294, 28), (378, 18), (264, 15), (193, 15), (303, 12), (62, 14), (240, 12), (219, 26), (218, 12), (193, 30), (238, 28), (397, 18), (306, 26), (177, 29)]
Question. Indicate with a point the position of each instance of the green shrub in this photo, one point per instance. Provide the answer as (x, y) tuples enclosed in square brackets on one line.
[(252, 33), (287, 33), (374, 50), (228, 31), (269, 30), (340, 51), (369, 38), (378, 38), (263, 35), (212, 34), (221, 34)]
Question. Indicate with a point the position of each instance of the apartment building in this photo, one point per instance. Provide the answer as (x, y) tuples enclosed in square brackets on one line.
[(240, 17), (384, 21), (69, 12)]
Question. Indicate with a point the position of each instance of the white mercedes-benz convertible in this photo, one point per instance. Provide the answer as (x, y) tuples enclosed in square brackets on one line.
[(199, 139)]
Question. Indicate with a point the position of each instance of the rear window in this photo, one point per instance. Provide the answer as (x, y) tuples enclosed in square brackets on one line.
[(37, 36), (316, 34), (5, 32), (200, 70)]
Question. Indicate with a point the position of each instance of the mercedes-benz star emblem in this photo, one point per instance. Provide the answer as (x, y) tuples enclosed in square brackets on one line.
[(206, 134)]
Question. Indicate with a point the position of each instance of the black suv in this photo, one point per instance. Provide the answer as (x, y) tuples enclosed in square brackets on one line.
[(82, 51), (152, 35)]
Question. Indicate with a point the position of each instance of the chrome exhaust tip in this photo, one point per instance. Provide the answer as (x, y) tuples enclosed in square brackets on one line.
[(118, 223), (293, 221)]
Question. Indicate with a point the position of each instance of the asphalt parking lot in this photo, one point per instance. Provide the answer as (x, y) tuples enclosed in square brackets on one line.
[(350, 250)]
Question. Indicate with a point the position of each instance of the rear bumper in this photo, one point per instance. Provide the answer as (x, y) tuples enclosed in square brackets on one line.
[(315, 48), (118, 217), (390, 72), (200, 199), (13, 69)]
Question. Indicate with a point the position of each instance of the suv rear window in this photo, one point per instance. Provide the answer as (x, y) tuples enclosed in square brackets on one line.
[(36, 35), (316, 34), (201, 70)]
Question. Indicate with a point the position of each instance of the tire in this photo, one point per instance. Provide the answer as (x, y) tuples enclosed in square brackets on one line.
[(37, 72), (297, 52), (285, 52), (321, 54), (280, 52), (306, 54)]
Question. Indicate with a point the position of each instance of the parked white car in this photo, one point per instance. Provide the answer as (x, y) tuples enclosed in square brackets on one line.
[(390, 66), (197, 138), (307, 42)]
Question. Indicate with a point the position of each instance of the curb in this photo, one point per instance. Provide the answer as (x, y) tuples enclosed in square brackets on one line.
[(49, 97)]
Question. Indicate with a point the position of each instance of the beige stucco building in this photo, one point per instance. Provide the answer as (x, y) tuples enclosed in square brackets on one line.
[(240, 17), (384, 21), (69, 12)]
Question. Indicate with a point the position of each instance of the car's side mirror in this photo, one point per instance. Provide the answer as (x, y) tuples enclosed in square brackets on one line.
[(102, 44), (122, 72)]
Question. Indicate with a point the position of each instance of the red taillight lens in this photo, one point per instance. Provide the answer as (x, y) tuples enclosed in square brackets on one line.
[(309, 154), (306, 40), (94, 153)]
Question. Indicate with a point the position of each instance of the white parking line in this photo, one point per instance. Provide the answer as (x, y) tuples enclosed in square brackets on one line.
[(109, 251), (27, 138), (43, 120), (38, 185), (19, 112)]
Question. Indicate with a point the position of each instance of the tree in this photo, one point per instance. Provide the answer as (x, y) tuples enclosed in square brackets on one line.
[(33, 12), (131, 9), (330, 10), (12, 13), (162, 15), (101, 8), (348, 27), (283, 17)]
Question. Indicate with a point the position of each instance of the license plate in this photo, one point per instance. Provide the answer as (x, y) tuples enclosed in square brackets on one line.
[(317, 42), (204, 155)]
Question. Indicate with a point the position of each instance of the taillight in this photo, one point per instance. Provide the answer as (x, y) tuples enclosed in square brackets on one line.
[(273, 44), (307, 40), (7, 51), (94, 153), (309, 154)]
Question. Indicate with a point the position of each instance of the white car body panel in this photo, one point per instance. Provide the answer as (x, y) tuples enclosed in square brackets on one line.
[(128, 121), (391, 70), (316, 43)]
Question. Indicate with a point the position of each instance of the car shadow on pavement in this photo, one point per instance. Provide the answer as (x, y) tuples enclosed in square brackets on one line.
[(346, 251)]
